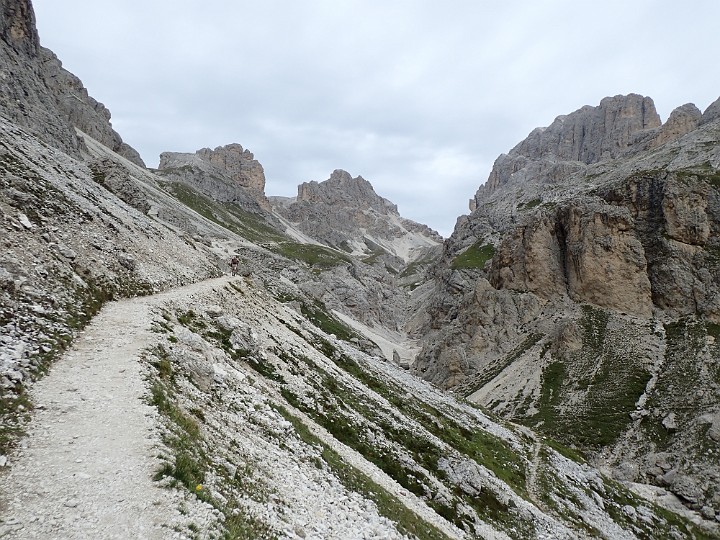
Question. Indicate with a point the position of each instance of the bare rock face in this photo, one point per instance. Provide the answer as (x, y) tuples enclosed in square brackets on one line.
[(682, 120), (342, 188), (605, 261), (17, 26), (588, 135), (582, 294), (81, 109), (238, 164), (346, 213), (587, 252), (226, 174), (117, 179), (42, 96), (712, 112)]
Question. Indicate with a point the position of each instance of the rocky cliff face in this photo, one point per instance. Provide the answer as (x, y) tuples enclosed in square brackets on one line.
[(44, 98), (563, 298), (227, 174), (267, 385), (346, 213)]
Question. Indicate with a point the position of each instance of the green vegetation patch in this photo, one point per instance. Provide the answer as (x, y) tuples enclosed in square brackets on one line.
[(594, 326), (407, 522), (312, 254), (553, 377), (602, 380), (337, 400), (484, 448), (529, 205), (15, 411), (318, 315), (683, 373), (228, 215), (475, 256)]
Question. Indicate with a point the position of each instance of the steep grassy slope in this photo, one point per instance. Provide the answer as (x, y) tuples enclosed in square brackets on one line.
[(297, 397)]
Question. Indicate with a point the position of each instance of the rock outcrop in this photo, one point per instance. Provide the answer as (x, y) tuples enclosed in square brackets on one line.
[(588, 135), (227, 174), (44, 98), (346, 213), (586, 275)]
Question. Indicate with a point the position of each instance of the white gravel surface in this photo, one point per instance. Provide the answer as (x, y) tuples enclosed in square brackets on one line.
[(85, 468)]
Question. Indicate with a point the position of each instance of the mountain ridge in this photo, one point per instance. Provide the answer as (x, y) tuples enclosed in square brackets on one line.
[(267, 375), (570, 261)]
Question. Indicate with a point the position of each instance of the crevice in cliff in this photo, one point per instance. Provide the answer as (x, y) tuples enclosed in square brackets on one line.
[(561, 236)]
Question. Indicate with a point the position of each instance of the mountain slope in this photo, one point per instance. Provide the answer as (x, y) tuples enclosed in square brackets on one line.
[(275, 418), (581, 295), (346, 213)]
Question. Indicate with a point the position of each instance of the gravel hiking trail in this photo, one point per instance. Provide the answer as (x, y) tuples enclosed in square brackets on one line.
[(85, 468)]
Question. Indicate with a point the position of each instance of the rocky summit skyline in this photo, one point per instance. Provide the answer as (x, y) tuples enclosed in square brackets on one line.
[(420, 100), (184, 356)]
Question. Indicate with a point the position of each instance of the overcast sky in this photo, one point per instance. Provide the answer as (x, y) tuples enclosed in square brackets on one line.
[(418, 97)]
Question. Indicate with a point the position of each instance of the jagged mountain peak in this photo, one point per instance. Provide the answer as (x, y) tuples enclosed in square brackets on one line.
[(620, 126), (228, 173), (42, 96), (342, 188), (346, 213), (588, 135), (232, 161), (712, 112), (593, 133)]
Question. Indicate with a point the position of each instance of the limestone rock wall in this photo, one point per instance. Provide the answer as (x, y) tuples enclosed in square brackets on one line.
[(42, 96), (583, 291), (346, 213), (588, 135), (239, 164), (227, 174)]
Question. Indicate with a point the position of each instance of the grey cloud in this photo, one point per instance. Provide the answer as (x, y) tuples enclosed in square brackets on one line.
[(418, 97)]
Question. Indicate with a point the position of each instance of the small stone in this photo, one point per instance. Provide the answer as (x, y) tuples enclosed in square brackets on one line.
[(629, 511), (214, 311), (25, 221), (3, 461), (669, 422), (72, 503), (66, 252)]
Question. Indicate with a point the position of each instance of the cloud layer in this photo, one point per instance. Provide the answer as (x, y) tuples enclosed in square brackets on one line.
[(418, 97)]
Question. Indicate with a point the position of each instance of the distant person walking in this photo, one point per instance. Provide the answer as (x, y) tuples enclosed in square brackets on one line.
[(234, 263)]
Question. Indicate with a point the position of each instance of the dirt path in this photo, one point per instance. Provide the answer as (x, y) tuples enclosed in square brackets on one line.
[(531, 482), (85, 468)]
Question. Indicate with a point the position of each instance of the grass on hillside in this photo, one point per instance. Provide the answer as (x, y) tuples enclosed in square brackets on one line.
[(388, 505), (317, 256), (605, 384), (475, 256), (228, 215)]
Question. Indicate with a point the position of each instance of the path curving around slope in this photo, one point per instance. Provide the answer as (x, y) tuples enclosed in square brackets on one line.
[(85, 468)]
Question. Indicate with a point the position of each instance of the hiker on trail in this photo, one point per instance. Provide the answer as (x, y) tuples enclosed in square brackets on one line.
[(234, 262)]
